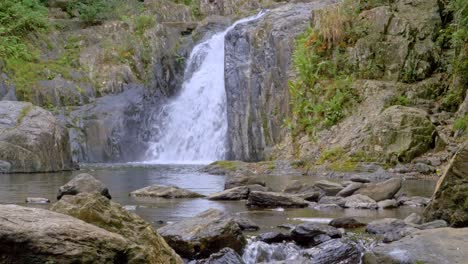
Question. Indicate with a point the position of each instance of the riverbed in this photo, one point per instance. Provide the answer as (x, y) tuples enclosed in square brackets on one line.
[(121, 179)]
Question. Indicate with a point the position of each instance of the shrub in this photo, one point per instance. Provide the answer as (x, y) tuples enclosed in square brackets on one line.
[(92, 11), (461, 124)]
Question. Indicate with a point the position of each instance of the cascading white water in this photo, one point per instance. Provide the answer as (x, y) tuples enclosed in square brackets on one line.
[(195, 122)]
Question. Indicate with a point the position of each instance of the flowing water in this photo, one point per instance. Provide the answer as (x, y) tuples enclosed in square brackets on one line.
[(194, 124)]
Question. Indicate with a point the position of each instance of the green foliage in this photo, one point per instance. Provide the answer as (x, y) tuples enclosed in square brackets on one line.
[(398, 100), (144, 22), (18, 19), (337, 160), (92, 11), (461, 124), (322, 93)]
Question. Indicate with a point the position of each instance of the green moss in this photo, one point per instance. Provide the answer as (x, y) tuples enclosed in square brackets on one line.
[(461, 124), (225, 164), (397, 100), (24, 112)]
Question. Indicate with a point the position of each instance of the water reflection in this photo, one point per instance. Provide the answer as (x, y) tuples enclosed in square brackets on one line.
[(124, 178)]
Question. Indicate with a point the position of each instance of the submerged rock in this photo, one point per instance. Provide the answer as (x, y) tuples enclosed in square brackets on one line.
[(204, 234), (163, 191), (346, 222), (437, 246), (145, 244), (32, 140), (382, 190), (83, 183), (273, 199), (31, 235), (450, 199)]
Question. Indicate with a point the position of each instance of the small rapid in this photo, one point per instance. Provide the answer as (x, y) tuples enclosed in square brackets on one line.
[(193, 129)]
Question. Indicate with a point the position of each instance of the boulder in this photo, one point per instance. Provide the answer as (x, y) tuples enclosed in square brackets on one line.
[(450, 199), (242, 180), (333, 251), (311, 234), (32, 140), (432, 225), (303, 190), (147, 246), (436, 246), (349, 189), (83, 183), (31, 235), (204, 234), (340, 201), (330, 188), (360, 201), (346, 222), (246, 224), (387, 204), (390, 229), (162, 191), (413, 201), (359, 179), (402, 133), (237, 193), (413, 218), (273, 199), (273, 237), (224, 256), (382, 190), (37, 200)]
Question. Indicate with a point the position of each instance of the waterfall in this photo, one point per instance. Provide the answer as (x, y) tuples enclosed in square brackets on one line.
[(194, 126)]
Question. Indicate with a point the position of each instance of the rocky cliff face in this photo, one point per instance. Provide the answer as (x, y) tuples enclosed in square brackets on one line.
[(257, 69), (32, 140)]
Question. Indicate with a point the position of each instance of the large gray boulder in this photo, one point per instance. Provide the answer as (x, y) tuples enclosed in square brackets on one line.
[(436, 246), (306, 191), (146, 245), (164, 191), (204, 234), (274, 199), (237, 193), (342, 251), (32, 140), (311, 234), (450, 199), (31, 235), (382, 190), (360, 201), (83, 183)]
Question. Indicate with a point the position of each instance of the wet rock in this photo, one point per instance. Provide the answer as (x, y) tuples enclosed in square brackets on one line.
[(204, 234), (424, 168), (163, 191), (437, 246), (273, 199), (273, 237), (246, 224), (413, 218), (303, 190), (333, 200), (387, 204), (432, 225), (333, 251), (31, 235), (32, 140), (382, 190), (83, 183), (413, 201), (224, 256), (242, 180), (37, 200), (449, 201), (145, 244), (346, 222), (237, 193), (261, 252), (330, 188), (311, 234), (359, 179), (360, 201), (390, 229), (349, 189), (321, 207)]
